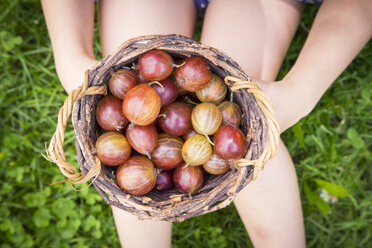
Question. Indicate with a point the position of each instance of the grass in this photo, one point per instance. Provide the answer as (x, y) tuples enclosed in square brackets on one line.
[(331, 148)]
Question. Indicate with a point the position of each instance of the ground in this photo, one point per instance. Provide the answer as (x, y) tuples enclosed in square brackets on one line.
[(331, 148)]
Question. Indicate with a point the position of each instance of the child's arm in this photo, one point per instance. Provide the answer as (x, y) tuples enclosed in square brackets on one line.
[(71, 29), (340, 30)]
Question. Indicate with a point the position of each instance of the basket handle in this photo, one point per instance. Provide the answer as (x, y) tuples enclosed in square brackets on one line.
[(273, 125), (55, 152)]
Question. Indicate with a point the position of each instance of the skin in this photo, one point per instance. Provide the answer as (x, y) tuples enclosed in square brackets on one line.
[(263, 222), (257, 35), (176, 17), (333, 34), (70, 25)]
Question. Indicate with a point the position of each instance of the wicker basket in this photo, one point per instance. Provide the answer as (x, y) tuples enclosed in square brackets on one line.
[(259, 126)]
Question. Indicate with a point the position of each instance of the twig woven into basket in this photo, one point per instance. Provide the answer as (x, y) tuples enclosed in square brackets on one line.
[(259, 126)]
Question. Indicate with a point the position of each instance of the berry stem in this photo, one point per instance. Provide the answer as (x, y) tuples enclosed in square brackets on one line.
[(156, 82), (178, 66), (148, 155), (187, 165), (209, 139)]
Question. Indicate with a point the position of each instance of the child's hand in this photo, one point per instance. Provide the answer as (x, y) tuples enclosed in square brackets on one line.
[(289, 106), (71, 71)]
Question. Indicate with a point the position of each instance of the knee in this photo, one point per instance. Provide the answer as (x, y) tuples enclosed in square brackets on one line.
[(270, 236), (260, 232)]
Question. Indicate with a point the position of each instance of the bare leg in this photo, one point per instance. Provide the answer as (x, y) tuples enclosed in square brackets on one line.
[(257, 35), (270, 207), (141, 233), (120, 21)]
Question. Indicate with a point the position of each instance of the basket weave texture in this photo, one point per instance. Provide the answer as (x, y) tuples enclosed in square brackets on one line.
[(259, 126)]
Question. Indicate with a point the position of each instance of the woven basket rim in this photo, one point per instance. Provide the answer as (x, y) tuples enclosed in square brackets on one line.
[(219, 190)]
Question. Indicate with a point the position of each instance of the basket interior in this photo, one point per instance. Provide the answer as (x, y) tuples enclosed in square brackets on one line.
[(218, 190)]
